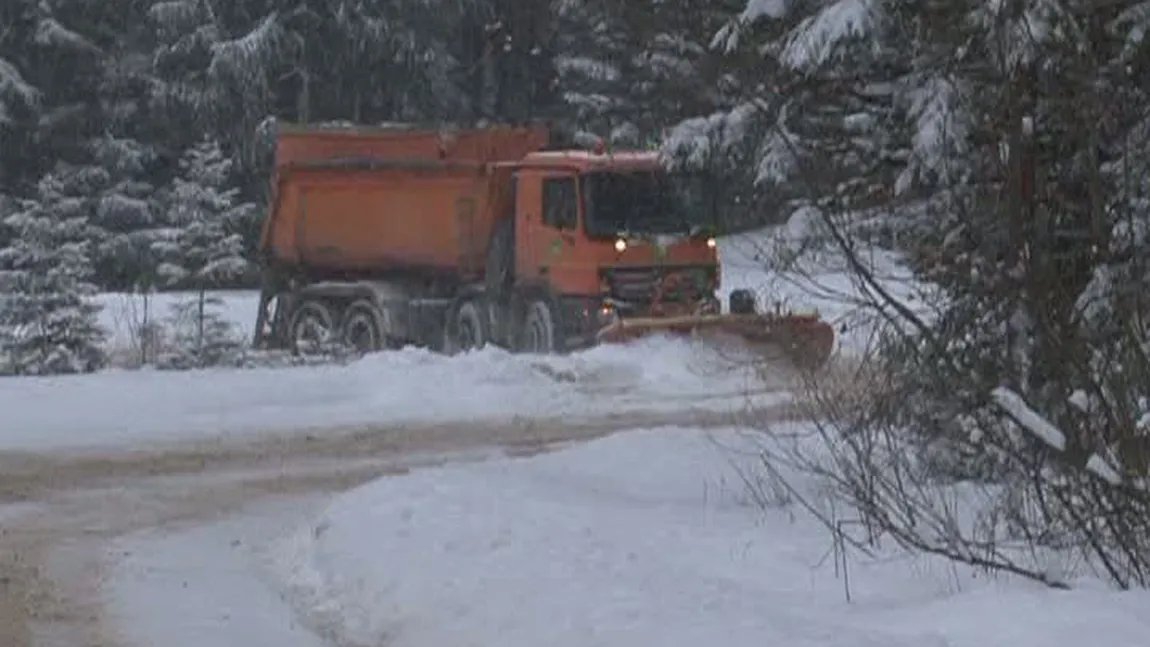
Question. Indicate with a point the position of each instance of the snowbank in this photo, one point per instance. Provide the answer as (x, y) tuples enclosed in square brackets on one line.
[(127, 407), (644, 539)]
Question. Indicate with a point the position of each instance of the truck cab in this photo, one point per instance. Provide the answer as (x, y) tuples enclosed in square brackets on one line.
[(611, 235)]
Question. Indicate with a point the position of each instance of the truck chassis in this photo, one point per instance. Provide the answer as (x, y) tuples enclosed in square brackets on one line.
[(380, 314)]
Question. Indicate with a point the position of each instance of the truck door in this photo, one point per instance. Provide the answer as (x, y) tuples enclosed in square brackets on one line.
[(550, 210)]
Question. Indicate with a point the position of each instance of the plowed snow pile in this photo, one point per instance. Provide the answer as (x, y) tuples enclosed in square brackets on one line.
[(407, 386), (645, 538)]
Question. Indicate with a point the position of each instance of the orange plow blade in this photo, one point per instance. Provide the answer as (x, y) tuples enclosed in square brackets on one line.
[(805, 341)]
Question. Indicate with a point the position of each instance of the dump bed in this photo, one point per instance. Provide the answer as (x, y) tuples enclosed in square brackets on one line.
[(374, 200)]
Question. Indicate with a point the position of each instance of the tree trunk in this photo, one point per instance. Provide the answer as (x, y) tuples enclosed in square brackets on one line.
[(200, 323), (303, 99)]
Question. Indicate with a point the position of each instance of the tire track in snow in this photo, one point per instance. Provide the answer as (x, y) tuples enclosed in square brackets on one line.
[(53, 558), (26, 476)]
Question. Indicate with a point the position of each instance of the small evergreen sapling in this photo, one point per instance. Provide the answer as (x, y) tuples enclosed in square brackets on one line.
[(205, 251), (48, 324)]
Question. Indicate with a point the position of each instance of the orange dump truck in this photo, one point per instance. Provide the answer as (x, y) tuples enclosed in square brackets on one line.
[(453, 239)]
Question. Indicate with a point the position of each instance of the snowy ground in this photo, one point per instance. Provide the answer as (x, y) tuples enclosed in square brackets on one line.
[(645, 538), (125, 407), (222, 599), (648, 537)]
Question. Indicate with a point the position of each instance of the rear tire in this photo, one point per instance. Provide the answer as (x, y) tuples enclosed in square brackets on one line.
[(312, 326), (362, 327), (467, 328), (538, 332)]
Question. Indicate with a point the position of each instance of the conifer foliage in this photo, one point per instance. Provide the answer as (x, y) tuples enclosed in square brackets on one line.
[(48, 323), (203, 249)]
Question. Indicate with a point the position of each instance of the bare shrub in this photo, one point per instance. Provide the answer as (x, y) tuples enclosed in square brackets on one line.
[(1007, 428), (914, 440), (137, 332)]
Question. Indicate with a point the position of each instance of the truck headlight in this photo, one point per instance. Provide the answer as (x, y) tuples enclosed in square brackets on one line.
[(620, 245), (712, 243), (607, 314)]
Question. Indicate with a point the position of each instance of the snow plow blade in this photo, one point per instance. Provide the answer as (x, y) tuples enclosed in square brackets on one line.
[(805, 341)]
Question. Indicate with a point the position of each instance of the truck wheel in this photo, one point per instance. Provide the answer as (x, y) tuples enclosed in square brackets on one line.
[(538, 334), (362, 327), (312, 325), (467, 329)]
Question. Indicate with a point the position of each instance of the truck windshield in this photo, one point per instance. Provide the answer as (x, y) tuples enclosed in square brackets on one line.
[(645, 202)]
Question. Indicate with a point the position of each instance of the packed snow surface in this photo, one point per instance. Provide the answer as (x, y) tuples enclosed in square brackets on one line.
[(386, 388), (204, 585), (647, 538)]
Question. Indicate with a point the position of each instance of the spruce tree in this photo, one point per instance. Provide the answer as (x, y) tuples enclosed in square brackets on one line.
[(48, 324), (203, 251)]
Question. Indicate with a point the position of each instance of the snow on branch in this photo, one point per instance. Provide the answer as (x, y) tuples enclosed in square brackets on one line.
[(12, 84), (1028, 418), (50, 32), (778, 161), (727, 38), (1045, 431), (940, 128), (1132, 23), (245, 57), (819, 38), (697, 141), (178, 16)]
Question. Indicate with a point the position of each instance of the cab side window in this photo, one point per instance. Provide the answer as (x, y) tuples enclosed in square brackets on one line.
[(560, 204)]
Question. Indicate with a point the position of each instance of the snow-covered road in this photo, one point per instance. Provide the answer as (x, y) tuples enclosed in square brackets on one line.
[(132, 548), (375, 503)]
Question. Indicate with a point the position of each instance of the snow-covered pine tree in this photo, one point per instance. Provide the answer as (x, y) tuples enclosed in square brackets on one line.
[(203, 250), (19, 101), (185, 31), (630, 69), (1027, 122), (819, 114), (48, 323), (123, 211), (13, 90)]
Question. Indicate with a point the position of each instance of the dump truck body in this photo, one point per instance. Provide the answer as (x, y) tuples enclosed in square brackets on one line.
[(364, 221), (453, 240), (374, 201)]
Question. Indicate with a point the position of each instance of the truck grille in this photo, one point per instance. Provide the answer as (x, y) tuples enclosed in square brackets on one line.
[(637, 285)]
